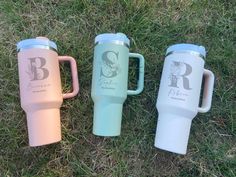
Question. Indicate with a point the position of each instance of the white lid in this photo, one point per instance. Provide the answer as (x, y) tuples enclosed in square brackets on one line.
[(112, 38), (36, 43), (172, 133), (187, 47)]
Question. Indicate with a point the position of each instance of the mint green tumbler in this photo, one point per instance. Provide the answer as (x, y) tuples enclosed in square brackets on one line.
[(110, 80)]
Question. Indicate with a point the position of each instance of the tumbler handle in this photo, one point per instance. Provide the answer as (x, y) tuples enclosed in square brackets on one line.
[(74, 74), (207, 92), (141, 74)]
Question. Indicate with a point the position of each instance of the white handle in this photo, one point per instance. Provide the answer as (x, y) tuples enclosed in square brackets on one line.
[(207, 92)]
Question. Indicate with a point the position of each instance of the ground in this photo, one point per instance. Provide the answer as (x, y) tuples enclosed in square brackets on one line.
[(152, 26)]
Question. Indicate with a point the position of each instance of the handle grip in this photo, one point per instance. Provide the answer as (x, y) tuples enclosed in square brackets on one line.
[(141, 74), (74, 74), (207, 92)]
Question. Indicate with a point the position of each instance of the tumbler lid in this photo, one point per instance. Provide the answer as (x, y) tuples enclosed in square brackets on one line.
[(38, 42), (189, 48), (117, 38)]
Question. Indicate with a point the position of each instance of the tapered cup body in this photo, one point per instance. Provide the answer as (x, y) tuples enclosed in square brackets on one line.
[(109, 87), (110, 81), (179, 97), (41, 94)]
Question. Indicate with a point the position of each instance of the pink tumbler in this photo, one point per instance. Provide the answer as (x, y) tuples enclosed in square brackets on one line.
[(40, 88)]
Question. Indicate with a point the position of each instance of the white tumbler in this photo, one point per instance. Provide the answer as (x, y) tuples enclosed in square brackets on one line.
[(179, 95)]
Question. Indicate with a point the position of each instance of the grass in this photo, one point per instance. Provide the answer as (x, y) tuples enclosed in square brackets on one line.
[(152, 26)]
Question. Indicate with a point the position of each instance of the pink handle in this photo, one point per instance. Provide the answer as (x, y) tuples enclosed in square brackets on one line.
[(75, 82)]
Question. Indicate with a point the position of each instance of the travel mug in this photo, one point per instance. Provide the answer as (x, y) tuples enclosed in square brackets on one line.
[(179, 95), (110, 80), (40, 88)]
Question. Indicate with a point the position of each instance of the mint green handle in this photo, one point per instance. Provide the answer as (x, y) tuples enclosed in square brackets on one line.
[(141, 74)]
